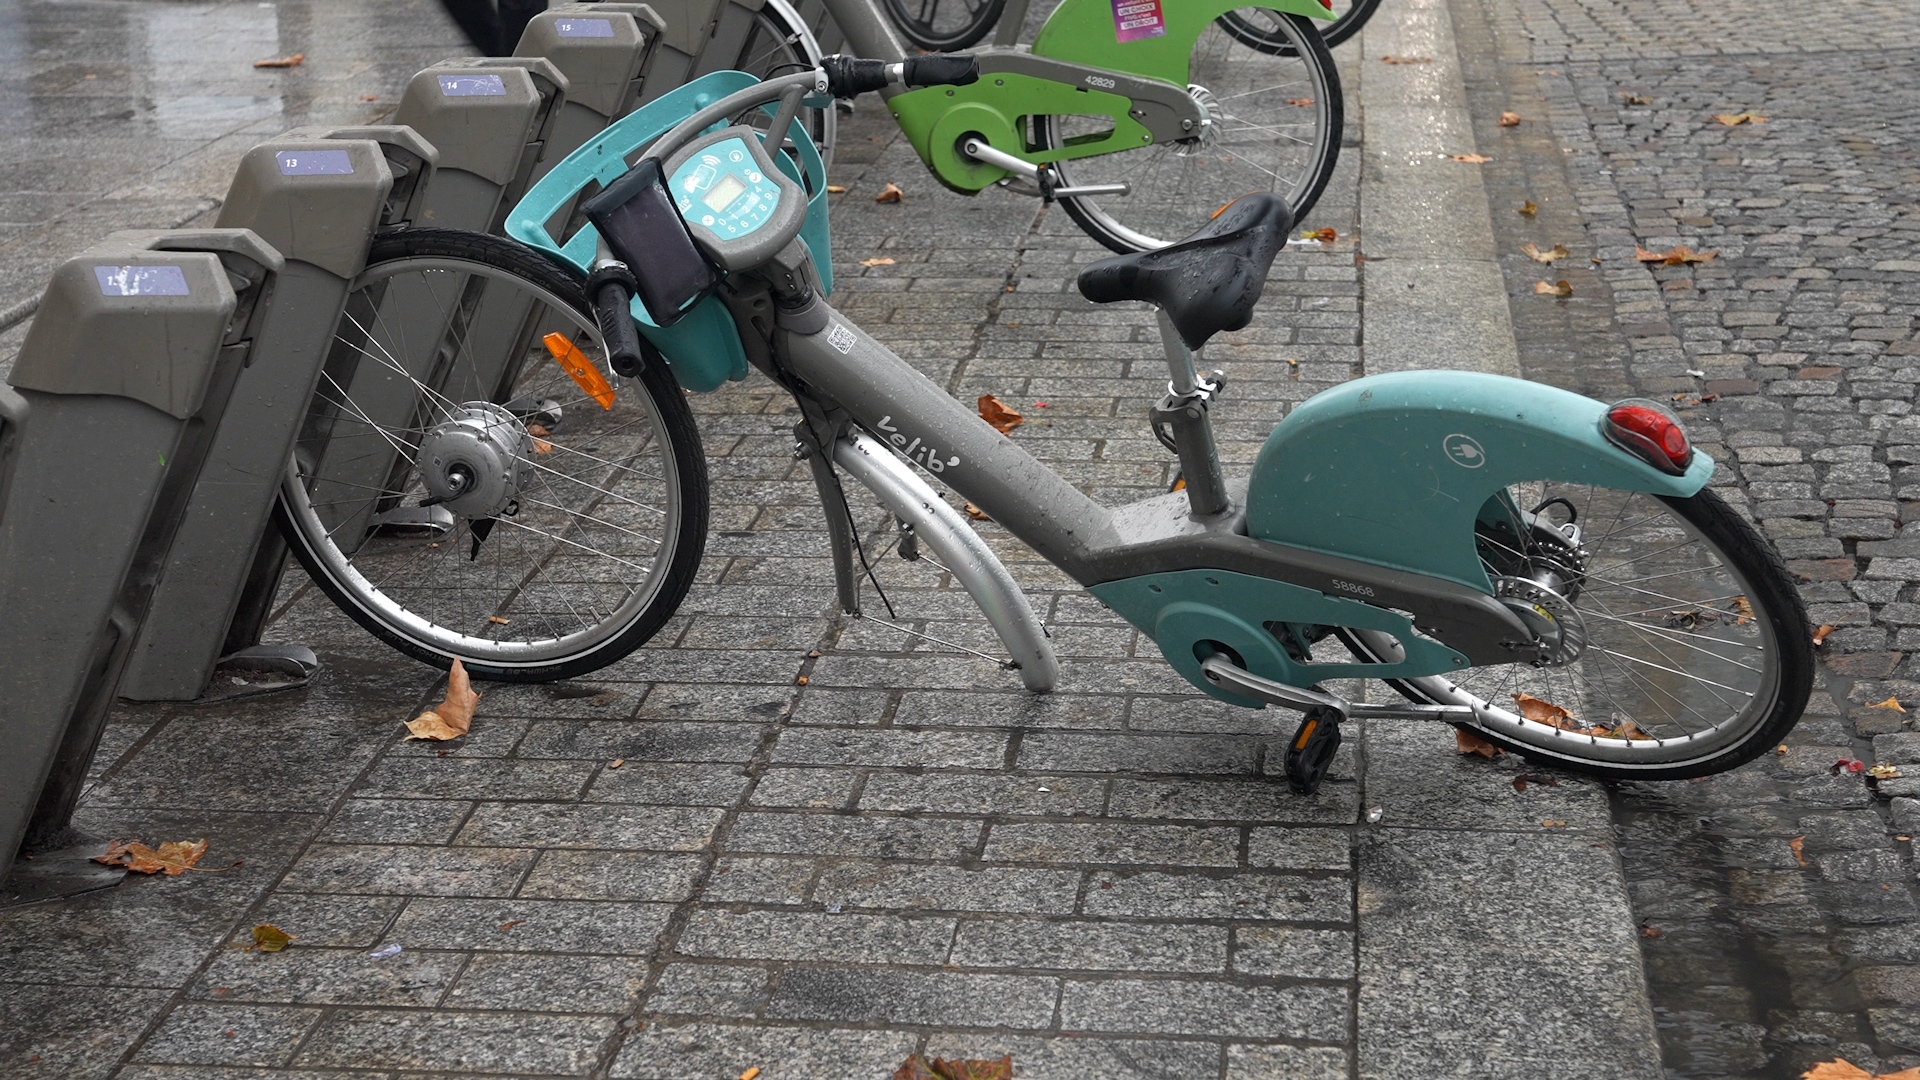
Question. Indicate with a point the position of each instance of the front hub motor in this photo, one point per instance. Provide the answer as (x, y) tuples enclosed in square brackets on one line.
[(471, 462)]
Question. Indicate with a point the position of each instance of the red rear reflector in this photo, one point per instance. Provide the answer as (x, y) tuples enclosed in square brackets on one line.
[(1649, 432)]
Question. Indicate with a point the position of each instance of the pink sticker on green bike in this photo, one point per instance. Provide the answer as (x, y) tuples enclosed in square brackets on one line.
[(1136, 19)]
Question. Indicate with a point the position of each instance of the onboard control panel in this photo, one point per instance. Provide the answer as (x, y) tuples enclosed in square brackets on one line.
[(739, 207)]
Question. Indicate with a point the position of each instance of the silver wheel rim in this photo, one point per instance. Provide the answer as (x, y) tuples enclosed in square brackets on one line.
[(1176, 185), (560, 579), (1699, 688), (776, 42)]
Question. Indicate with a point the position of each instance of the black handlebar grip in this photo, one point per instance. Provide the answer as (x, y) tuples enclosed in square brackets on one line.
[(941, 69), (850, 75), (612, 288)]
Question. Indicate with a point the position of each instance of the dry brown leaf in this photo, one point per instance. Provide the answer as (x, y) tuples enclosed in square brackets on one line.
[(1546, 712), (750, 1074), (1406, 59), (173, 858), (616, 763), (1469, 743), (976, 513), (890, 193), (1798, 844), (1302, 102), (1635, 99), (1529, 208), (1891, 703), (1820, 633), (1743, 611), (1737, 118), (1842, 1069), (1650, 932), (511, 923), (1471, 159), (1553, 824), (1532, 251), (538, 431), (995, 412), (282, 61), (452, 717), (801, 681), (497, 620), (270, 938), (919, 1068), (1562, 288), (1325, 236), (876, 262), (836, 189), (1674, 256), (542, 446), (1509, 119)]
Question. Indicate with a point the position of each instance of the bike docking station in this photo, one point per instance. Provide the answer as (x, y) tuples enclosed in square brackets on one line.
[(489, 118), (115, 406), (319, 202)]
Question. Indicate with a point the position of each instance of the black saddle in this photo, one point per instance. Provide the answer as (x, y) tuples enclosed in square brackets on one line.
[(1208, 282)]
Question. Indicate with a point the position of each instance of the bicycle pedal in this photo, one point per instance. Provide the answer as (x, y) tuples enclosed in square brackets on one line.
[(1311, 752)]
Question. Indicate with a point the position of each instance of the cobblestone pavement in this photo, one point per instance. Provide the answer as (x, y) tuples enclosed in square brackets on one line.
[(907, 851), (1793, 356)]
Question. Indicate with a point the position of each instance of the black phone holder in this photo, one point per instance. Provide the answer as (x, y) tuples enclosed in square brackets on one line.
[(641, 226)]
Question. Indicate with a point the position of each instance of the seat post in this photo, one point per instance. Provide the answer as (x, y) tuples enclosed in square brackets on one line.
[(1180, 421)]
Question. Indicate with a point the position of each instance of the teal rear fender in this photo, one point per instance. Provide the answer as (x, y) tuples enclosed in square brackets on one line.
[(1393, 469)]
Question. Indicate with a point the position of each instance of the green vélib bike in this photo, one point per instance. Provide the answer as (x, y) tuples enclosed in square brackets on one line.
[(1542, 569), (951, 25)]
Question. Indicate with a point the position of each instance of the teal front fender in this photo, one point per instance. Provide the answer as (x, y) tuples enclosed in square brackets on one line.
[(1393, 469)]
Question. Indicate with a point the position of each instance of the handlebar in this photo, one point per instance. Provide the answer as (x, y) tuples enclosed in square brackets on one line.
[(848, 76), (611, 287)]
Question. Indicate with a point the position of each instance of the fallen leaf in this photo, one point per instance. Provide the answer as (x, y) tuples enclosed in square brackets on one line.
[(876, 262), (452, 717), (538, 431), (511, 923), (1545, 712), (1529, 208), (1469, 743), (976, 513), (1798, 844), (750, 1073), (1471, 159), (1883, 771), (269, 938), (1891, 703), (369, 97), (995, 412), (1562, 288), (1552, 824), (1744, 611), (1820, 634), (919, 1068), (542, 446), (1842, 1069), (1781, 749), (1303, 102), (801, 681), (1650, 932), (1736, 119), (1673, 256), (1532, 251), (616, 763), (890, 193), (497, 620), (282, 61), (836, 189), (1635, 99), (173, 858), (1325, 236), (1509, 119), (1406, 59)]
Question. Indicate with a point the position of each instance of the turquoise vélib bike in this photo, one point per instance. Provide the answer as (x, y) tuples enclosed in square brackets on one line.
[(1544, 570)]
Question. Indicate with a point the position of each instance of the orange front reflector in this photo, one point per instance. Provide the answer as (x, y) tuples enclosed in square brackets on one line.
[(580, 369)]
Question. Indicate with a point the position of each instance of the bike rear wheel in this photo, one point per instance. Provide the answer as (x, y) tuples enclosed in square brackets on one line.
[(1695, 654), (1273, 124), (579, 528), (1349, 17), (944, 25)]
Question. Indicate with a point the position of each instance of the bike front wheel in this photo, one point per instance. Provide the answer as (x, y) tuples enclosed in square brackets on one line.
[(944, 25), (461, 494), (1272, 123), (1686, 649)]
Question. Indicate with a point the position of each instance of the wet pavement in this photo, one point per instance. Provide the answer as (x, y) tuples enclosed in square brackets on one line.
[(909, 853)]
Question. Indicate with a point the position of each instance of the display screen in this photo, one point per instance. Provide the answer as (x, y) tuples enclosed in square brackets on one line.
[(727, 189)]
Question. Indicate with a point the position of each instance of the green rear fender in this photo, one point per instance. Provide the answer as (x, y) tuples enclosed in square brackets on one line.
[(1079, 31), (1394, 469)]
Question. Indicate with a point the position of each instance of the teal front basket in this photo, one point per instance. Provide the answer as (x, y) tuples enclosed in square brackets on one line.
[(703, 348)]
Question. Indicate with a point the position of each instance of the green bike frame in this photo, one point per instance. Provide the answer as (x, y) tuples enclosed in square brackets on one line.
[(1076, 67)]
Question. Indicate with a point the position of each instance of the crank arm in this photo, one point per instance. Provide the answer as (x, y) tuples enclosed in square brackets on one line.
[(1233, 678), (978, 150)]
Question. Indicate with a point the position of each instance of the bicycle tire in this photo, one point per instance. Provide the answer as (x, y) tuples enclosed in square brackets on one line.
[(1176, 184), (1774, 617), (922, 29), (781, 44), (413, 585), (1348, 23)]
